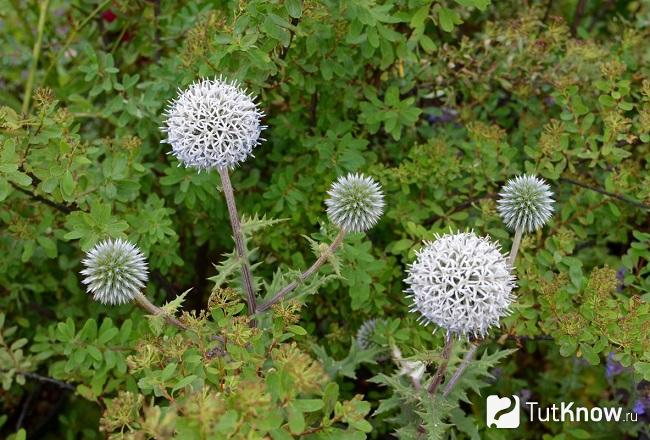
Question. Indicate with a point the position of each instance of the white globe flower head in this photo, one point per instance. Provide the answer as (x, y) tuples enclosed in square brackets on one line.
[(213, 124), (525, 203), (115, 272), (356, 203), (462, 283)]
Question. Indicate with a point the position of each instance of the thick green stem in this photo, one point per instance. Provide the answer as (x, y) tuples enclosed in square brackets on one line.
[(36, 53)]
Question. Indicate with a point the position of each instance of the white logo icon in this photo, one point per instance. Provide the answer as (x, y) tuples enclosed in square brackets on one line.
[(502, 412)]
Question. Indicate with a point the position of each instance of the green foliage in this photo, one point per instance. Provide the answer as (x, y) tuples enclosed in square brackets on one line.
[(440, 101)]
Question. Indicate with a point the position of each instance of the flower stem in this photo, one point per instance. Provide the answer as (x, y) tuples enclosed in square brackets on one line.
[(36, 53), (239, 239), (461, 368), (153, 309), (515, 246), (440, 372), (306, 274)]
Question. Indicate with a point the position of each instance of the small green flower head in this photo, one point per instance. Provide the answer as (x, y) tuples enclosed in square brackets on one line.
[(115, 272), (525, 203), (365, 334), (355, 203)]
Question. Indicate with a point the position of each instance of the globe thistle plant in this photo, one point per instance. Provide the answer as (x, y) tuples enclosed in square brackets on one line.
[(525, 203), (355, 203), (213, 124), (115, 272), (462, 283)]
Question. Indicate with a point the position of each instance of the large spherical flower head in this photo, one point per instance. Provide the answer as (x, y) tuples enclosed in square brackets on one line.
[(213, 124), (462, 283), (355, 203), (525, 203), (115, 271)]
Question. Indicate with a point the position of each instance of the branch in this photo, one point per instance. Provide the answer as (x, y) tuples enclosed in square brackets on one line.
[(580, 9), (153, 309), (306, 274), (73, 34), (63, 208), (60, 383), (239, 239), (607, 193)]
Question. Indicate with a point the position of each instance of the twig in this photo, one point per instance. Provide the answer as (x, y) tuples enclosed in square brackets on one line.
[(63, 208), (580, 9), (292, 32), (461, 368), (239, 239), (607, 193), (23, 411), (36, 53), (306, 274), (440, 372), (73, 34), (153, 309), (516, 242), (547, 10), (66, 385)]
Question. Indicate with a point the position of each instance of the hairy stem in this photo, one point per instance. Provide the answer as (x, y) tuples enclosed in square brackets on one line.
[(247, 276), (153, 309), (36, 53), (442, 368), (461, 368), (306, 274), (516, 242)]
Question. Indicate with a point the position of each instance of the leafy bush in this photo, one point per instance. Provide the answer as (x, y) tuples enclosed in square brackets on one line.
[(441, 102)]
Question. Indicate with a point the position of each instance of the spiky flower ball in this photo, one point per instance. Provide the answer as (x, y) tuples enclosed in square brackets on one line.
[(115, 271), (525, 202), (365, 334), (355, 203), (213, 124), (462, 283)]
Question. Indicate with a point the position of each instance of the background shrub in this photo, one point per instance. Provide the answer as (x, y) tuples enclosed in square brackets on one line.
[(440, 101)]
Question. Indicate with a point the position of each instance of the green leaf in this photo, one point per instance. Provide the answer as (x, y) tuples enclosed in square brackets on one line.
[(448, 18), (296, 420), (294, 8), (296, 329), (308, 405), (184, 382), (67, 184), (168, 372)]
